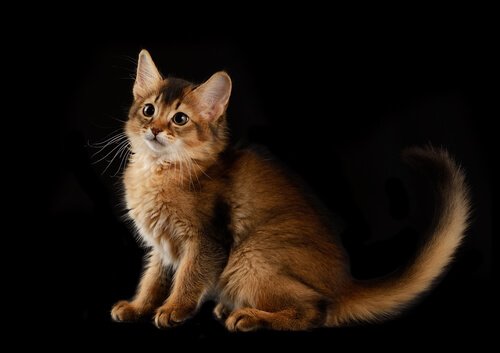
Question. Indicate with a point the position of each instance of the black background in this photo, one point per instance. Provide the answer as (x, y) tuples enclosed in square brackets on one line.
[(337, 109)]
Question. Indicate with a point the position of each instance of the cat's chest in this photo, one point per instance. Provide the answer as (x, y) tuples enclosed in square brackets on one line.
[(158, 211)]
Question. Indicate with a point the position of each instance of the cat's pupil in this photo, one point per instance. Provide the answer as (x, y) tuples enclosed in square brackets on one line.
[(180, 118), (149, 110)]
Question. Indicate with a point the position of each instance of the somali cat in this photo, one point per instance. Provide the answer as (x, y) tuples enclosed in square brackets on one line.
[(232, 225)]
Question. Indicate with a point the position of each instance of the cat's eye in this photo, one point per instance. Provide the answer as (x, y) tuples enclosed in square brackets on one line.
[(148, 110), (180, 118)]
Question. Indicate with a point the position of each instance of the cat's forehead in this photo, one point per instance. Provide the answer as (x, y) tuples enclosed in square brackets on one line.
[(173, 89)]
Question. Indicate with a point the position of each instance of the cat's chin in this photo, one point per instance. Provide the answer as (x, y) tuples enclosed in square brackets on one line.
[(156, 146)]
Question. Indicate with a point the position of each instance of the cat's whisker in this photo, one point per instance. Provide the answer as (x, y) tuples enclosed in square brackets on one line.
[(188, 167), (123, 151), (194, 171), (103, 148), (128, 146), (110, 152), (191, 182), (122, 145), (131, 60), (181, 177), (117, 139), (112, 146), (123, 161), (107, 140), (201, 169), (108, 136), (119, 120)]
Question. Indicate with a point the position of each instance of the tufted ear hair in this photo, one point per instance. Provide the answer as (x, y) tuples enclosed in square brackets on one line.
[(212, 96), (148, 77)]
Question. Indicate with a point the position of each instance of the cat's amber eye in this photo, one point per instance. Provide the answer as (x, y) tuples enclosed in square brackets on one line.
[(180, 118), (148, 110)]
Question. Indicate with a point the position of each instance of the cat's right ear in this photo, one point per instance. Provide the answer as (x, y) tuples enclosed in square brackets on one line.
[(148, 77)]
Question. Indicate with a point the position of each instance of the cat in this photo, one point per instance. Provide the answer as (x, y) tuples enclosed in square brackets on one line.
[(232, 225)]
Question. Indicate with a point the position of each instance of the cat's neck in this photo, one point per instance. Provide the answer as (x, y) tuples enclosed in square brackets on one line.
[(185, 173)]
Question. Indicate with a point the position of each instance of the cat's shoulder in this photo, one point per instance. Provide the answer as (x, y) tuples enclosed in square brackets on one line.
[(253, 152), (251, 155), (255, 160)]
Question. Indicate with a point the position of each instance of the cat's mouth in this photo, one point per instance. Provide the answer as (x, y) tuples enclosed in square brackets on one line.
[(155, 143)]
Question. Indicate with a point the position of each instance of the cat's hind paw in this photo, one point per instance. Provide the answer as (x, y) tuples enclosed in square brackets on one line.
[(243, 320)]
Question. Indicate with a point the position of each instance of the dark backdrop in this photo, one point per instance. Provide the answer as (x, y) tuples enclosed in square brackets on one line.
[(337, 110)]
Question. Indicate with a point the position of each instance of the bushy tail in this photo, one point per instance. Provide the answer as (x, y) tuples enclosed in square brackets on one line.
[(377, 299)]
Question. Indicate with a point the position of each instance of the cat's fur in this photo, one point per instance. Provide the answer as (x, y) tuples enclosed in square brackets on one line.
[(232, 225)]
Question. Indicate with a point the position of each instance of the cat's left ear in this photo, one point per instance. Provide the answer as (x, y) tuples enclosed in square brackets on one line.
[(212, 96)]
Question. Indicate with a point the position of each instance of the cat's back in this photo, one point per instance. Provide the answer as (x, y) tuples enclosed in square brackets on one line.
[(256, 174), (260, 189), (276, 217)]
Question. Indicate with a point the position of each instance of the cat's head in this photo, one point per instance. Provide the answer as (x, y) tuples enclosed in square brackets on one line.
[(174, 120)]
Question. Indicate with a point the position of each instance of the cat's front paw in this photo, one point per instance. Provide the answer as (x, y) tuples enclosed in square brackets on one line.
[(128, 311), (172, 315)]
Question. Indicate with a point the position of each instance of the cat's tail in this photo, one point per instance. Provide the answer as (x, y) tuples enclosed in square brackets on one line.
[(378, 299)]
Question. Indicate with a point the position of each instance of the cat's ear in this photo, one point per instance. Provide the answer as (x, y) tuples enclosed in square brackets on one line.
[(148, 77), (213, 96)]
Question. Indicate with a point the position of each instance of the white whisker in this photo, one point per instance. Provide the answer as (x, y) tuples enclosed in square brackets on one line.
[(116, 139), (122, 145), (106, 141), (114, 148), (123, 158), (180, 176), (194, 172), (201, 170), (191, 183)]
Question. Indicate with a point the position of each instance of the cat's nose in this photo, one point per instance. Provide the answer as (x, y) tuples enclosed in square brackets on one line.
[(155, 130)]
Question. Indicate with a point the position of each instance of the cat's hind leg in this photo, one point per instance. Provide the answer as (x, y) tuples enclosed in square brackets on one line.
[(274, 287), (279, 303), (295, 318)]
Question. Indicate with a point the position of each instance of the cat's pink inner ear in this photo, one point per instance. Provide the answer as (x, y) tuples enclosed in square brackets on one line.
[(148, 77), (213, 95)]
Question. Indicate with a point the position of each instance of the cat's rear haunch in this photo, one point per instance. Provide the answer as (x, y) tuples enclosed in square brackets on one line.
[(231, 225)]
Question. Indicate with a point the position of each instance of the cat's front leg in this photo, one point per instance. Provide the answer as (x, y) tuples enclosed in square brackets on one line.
[(151, 292), (197, 273)]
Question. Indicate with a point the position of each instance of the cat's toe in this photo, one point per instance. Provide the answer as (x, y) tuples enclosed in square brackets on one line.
[(170, 316), (221, 312), (161, 319), (124, 311), (242, 321)]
